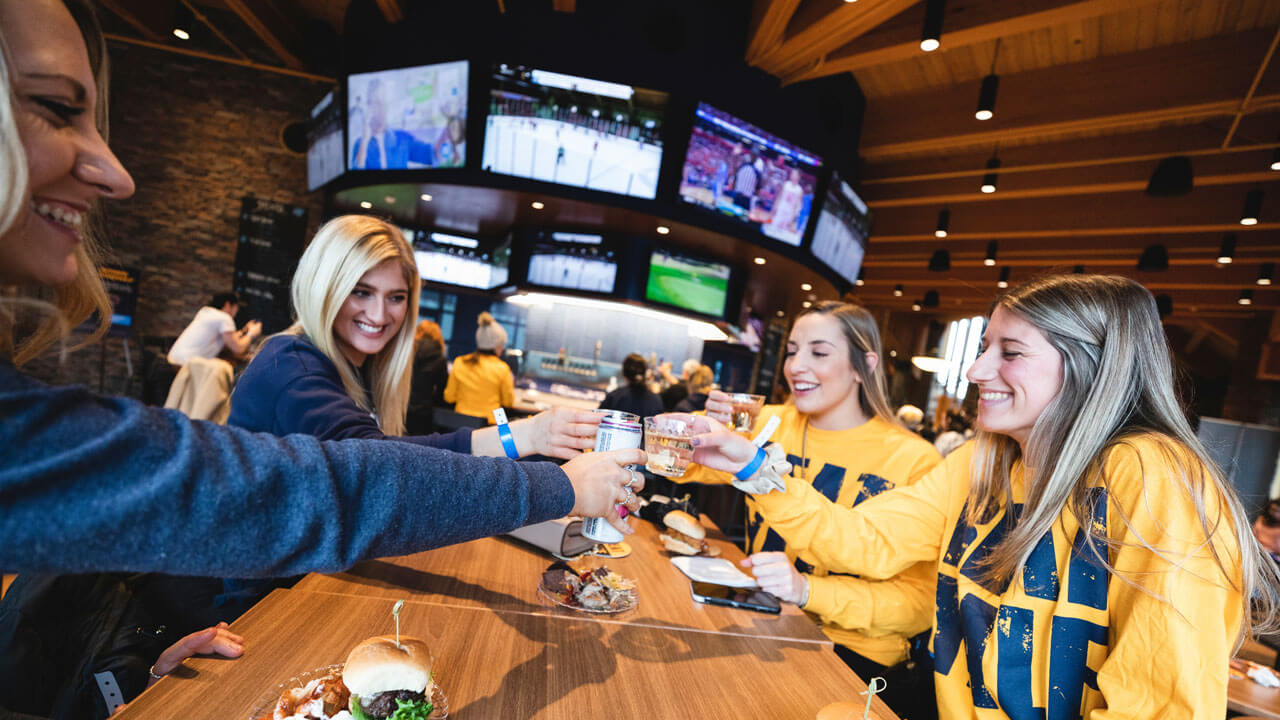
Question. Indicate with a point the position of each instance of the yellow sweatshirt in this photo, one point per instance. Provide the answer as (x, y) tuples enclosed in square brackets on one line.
[(477, 388), (873, 618), (1066, 639)]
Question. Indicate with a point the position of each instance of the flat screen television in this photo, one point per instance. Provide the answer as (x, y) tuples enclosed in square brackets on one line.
[(574, 261), (840, 238), (414, 117), (459, 260), (324, 142), (693, 284), (574, 131), (736, 168)]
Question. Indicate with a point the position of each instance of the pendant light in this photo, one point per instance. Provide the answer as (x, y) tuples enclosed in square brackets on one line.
[(1265, 271), (944, 223), (1252, 207), (940, 261), (1227, 251), (1246, 297), (931, 35), (990, 84), (990, 259), (897, 291), (183, 21), (989, 179), (1003, 282)]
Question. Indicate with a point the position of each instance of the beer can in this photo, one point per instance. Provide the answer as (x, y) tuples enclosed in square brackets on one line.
[(618, 431)]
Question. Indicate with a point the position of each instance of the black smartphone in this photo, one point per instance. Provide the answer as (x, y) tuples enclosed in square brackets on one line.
[(745, 598)]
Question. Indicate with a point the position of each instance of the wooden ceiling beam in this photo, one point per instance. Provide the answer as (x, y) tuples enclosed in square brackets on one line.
[(142, 17), (966, 24), (814, 38), (1140, 93), (1257, 78), (564, 6), (273, 28), (769, 19)]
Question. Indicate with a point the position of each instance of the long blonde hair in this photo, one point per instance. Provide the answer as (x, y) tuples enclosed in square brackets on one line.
[(863, 335), (1117, 384), (343, 250), (46, 316)]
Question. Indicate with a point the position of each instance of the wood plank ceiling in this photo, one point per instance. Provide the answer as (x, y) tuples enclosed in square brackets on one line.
[(1092, 95)]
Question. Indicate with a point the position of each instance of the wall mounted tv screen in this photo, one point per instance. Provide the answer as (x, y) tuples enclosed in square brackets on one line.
[(413, 117), (692, 284), (738, 169), (840, 239), (574, 261), (574, 131), (324, 142), (459, 260)]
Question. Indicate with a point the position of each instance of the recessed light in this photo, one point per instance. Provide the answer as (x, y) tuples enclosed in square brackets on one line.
[(806, 287), (181, 34), (760, 261), (426, 197), (663, 229), (807, 304), (780, 313), (366, 204), (536, 205)]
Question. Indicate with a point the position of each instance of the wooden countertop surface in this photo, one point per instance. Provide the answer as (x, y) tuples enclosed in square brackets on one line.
[(504, 573), (517, 666)]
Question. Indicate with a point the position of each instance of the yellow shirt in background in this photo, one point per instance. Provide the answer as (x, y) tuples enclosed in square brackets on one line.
[(1066, 638), (478, 388), (873, 618)]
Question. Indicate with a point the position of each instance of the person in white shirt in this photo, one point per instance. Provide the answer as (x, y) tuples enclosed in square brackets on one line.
[(214, 329)]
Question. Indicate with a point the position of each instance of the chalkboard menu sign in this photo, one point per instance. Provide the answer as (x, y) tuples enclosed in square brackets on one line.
[(122, 288), (771, 344), (271, 238)]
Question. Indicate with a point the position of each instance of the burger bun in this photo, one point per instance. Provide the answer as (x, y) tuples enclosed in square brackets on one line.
[(683, 522), (677, 546), (843, 710), (379, 665)]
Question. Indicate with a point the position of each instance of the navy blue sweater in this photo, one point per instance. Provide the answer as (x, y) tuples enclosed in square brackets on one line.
[(292, 387), (90, 483)]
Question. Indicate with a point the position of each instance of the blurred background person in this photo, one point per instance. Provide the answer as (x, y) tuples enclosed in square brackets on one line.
[(700, 383), (635, 397), (481, 381), (430, 373), (678, 389), (213, 330)]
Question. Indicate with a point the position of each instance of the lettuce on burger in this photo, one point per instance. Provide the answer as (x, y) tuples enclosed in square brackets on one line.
[(389, 681)]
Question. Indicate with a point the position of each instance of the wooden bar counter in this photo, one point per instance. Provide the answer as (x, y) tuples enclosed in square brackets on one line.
[(516, 666), (503, 574)]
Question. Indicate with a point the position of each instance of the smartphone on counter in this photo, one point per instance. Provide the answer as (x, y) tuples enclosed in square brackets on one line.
[(745, 598)]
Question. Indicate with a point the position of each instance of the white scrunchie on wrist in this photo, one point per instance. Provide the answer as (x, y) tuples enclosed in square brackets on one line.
[(770, 475)]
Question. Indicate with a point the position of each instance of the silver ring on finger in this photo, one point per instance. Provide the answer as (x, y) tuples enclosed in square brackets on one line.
[(631, 481), (627, 498)]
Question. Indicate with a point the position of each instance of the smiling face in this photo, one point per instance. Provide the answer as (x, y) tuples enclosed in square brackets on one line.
[(373, 312), (69, 164), (1018, 373), (823, 382)]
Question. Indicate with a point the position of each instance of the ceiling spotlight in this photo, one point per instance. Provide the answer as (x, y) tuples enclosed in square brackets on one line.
[(183, 21), (537, 205), (1246, 297), (990, 259), (940, 262), (860, 281), (806, 287), (1227, 252), (989, 179), (366, 204), (1155, 258), (760, 261), (1265, 271), (931, 35), (780, 313), (987, 97), (663, 229), (1172, 177), (931, 299), (426, 197), (806, 304), (1275, 159), (1252, 207), (1003, 282), (897, 291), (916, 306), (944, 222)]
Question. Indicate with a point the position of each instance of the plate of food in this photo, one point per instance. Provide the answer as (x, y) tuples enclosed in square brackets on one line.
[(685, 535), (382, 679), (598, 590)]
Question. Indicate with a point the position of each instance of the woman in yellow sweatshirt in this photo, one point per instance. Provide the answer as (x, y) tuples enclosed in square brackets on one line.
[(481, 381), (1091, 559), (839, 433)]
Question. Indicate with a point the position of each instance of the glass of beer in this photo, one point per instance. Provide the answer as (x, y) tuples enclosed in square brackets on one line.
[(745, 409), (667, 445)]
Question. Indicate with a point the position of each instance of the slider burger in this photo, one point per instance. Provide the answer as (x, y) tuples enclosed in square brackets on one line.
[(685, 535), (389, 681)]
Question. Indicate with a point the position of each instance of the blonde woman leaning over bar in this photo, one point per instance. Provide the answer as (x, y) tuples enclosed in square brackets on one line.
[(1091, 559), (841, 435)]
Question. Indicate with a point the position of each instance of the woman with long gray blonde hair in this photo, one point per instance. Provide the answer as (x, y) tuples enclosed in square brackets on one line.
[(1091, 559), (344, 369)]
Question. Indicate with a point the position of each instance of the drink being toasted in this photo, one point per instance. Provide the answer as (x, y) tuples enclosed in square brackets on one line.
[(668, 445), (618, 430), (745, 409)]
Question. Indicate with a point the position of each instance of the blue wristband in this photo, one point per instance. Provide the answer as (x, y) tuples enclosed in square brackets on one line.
[(752, 466), (504, 434)]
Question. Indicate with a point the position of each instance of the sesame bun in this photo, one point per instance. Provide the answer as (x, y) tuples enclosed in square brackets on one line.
[(685, 524), (843, 710), (378, 665)]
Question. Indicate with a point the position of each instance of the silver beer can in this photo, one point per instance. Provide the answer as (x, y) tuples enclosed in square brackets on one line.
[(618, 431)]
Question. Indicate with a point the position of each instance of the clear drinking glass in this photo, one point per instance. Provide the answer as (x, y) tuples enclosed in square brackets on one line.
[(668, 446), (745, 409)]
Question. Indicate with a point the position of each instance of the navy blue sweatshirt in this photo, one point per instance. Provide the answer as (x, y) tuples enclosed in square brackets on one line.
[(292, 387), (91, 483)]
